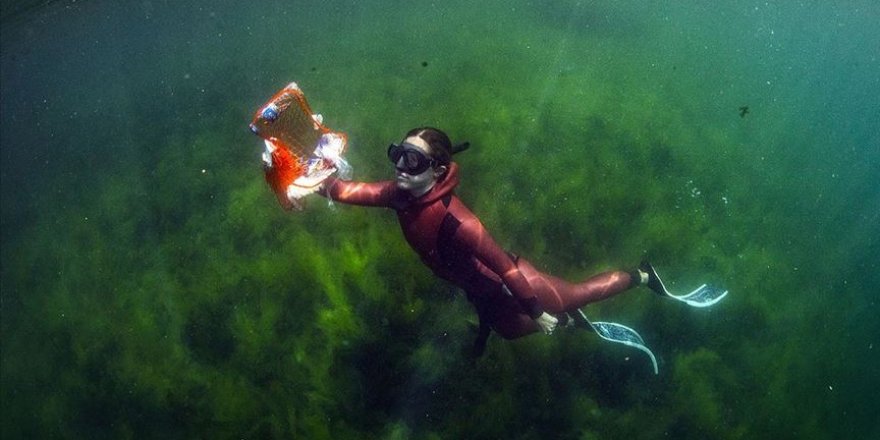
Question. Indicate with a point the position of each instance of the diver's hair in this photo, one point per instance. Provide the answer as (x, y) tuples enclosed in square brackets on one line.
[(441, 146)]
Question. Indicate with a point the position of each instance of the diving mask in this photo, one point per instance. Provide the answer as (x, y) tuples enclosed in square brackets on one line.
[(414, 162)]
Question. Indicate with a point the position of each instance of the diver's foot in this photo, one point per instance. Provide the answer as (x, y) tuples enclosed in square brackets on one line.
[(653, 282), (563, 320)]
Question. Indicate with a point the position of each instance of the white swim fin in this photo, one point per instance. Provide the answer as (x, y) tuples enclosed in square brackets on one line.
[(611, 331), (703, 296)]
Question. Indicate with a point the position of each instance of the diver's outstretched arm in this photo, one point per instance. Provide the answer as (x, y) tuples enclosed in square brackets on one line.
[(358, 193)]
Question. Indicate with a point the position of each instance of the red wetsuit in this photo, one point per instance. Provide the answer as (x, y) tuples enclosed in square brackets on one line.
[(454, 244)]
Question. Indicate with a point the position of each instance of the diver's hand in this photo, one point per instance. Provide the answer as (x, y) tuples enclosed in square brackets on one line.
[(547, 323)]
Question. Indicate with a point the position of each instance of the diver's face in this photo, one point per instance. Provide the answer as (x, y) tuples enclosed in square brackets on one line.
[(416, 184)]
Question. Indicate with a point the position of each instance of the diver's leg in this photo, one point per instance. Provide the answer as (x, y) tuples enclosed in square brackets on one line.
[(557, 295), (509, 320), (601, 286)]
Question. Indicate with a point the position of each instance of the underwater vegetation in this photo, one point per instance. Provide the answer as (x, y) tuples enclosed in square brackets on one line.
[(152, 288)]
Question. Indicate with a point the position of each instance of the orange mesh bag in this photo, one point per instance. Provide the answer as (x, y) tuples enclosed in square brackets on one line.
[(301, 152)]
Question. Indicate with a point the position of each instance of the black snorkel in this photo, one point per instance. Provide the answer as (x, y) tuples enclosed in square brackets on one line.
[(460, 147)]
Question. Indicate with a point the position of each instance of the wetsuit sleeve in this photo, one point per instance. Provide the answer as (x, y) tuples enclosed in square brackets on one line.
[(472, 235), (358, 193)]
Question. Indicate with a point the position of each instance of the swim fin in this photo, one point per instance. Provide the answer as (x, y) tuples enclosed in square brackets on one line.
[(619, 333), (703, 296)]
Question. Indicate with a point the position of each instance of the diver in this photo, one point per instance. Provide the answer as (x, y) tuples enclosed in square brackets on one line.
[(510, 296)]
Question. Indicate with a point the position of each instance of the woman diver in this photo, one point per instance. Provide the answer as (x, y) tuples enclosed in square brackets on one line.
[(509, 294)]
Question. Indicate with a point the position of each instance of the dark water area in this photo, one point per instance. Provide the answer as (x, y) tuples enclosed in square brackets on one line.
[(152, 288)]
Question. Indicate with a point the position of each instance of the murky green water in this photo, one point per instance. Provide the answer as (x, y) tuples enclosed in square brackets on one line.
[(152, 288)]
